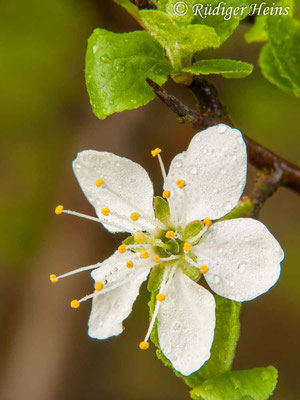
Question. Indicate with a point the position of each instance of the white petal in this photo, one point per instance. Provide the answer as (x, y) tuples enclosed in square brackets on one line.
[(186, 323), (125, 177), (111, 308), (214, 168), (242, 256)]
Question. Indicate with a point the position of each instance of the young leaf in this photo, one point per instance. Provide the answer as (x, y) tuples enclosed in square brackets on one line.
[(224, 67), (255, 384), (270, 70), (116, 68), (257, 32), (227, 333), (226, 24), (179, 41), (284, 37)]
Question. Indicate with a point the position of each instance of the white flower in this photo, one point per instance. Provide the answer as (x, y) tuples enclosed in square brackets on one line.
[(239, 258)]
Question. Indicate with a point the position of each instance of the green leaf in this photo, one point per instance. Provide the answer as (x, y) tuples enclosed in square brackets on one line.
[(242, 208), (271, 71), (255, 384), (284, 37), (227, 333), (162, 210), (192, 229), (223, 27), (131, 8), (226, 68), (257, 32), (116, 68), (179, 41)]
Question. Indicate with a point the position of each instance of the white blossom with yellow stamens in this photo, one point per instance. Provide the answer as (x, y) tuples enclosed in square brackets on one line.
[(239, 258)]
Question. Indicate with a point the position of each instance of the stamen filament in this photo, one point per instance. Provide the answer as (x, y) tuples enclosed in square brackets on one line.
[(199, 235), (76, 271)]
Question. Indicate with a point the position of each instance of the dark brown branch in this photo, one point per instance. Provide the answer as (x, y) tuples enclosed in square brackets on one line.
[(265, 186), (143, 4), (213, 112)]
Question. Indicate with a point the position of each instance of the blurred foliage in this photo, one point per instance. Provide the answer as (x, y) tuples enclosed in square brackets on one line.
[(37, 72)]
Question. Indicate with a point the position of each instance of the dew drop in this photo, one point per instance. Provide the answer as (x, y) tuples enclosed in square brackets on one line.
[(177, 326), (95, 48), (194, 171), (223, 171), (215, 190), (221, 128), (227, 206), (178, 164), (241, 268), (216, 279)]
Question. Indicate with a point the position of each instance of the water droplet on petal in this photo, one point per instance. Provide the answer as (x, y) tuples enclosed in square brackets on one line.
[(178, 164), (241, 268), (216, 279), (215, 190), (221, 128), (223, 171), (194, 171), (227, 206)]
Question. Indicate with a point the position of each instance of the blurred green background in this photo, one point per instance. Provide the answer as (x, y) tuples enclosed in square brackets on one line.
[(45, 120)]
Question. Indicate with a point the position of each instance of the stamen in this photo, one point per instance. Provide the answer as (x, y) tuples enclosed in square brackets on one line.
[(105, 212), (99, 286), (59, 210), (144, 345), (180, 183), (204, 269), (129, 264), (99, 182), (144, 254), (157, 259), (170, 234), (155, 152), (187, 246), (75, 303), (160, 297), (135, 216), (55, 278), (122, 248), (207, 222), (166, 194)]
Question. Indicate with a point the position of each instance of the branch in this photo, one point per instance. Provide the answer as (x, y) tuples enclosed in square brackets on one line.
[(213, 112)]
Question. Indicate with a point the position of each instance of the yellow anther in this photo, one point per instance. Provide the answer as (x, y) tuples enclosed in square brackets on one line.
[(156, 259), (135, 216), (155, 152), (204, 269), (99, 286), (207, 222), (105, 211), (139, 237), (75, 304), (144, 345), (187, 246), (53, 278), (122, 248), (129, 264), (99, 182), (144, 254), (59, 209), (180, 183), (166, 194), (160, 297), (170, 234)]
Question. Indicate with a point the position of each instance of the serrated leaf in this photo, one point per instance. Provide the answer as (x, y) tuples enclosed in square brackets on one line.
[(255, 384), (192, 229), (179, 41), (284, 38), (116, 68), (226, 68), (162, 210), (270, 70), (223, 27), (240, 210), (226, 336)]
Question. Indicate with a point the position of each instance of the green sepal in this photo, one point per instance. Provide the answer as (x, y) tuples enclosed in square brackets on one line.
[(189, 270), (242, 208), (155, 277), (192, 229), (251, 384), (162, 210), (129, 240)]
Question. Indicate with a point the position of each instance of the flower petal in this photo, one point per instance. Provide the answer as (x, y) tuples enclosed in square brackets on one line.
[(111, 308), (214, 168), (186, 323), (130, 182), (242, 256)]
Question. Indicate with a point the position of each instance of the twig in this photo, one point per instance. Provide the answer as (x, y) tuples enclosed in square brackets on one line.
[(213, 112)]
